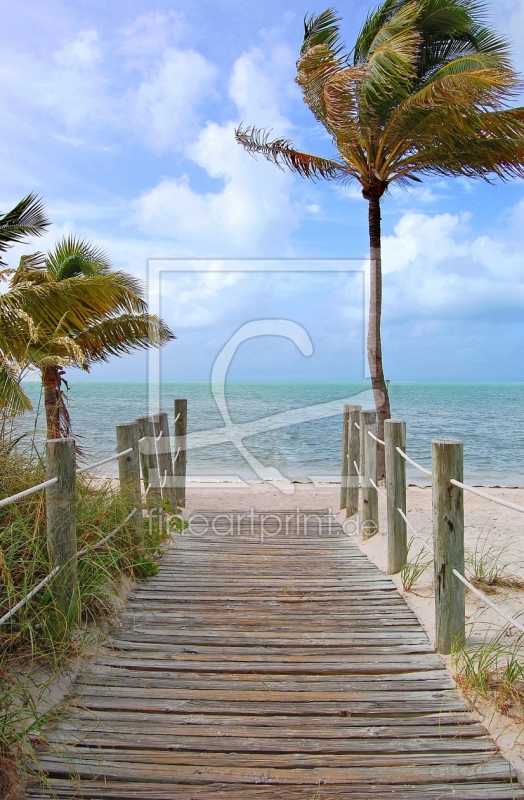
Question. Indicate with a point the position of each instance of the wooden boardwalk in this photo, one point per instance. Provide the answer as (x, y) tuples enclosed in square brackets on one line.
[(283, 668)]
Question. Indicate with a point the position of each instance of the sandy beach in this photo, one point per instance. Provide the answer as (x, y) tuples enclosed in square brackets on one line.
[(492, 533)]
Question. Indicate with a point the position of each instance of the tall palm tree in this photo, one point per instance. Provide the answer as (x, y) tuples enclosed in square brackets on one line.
[(78, 311), (424, 91)]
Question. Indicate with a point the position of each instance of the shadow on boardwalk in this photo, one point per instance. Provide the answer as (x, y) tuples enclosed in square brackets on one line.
[(282, 665)]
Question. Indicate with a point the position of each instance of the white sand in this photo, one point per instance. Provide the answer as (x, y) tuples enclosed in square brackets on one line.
[(491, 529)]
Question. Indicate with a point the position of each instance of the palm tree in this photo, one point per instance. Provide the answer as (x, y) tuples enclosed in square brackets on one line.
[(77, 311), (424, 91)]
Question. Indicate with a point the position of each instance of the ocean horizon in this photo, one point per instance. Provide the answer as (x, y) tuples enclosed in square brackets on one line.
[(295, 427)]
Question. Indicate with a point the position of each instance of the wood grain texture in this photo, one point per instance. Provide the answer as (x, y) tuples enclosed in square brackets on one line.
[(129, 476), (254, 668), (395, 436), (180, 448), (61, 519), (448, 538)]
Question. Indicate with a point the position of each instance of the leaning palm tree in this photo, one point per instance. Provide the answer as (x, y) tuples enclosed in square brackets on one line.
[(424, 91), (77, 312)]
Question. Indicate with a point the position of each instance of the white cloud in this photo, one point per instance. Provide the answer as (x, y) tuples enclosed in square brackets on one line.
[(150, 34), (166, 103), (252, 214), (435, 268)]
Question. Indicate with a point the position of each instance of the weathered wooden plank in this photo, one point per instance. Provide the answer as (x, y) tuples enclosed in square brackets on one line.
[(251, 664)]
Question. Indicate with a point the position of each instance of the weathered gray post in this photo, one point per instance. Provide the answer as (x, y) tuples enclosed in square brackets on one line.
[(448, 536), (129, 475), (368, 458), (395, 436), (148, 460), (61, 521), (180, 451), (345, 453), (353, 456), (165, 462)]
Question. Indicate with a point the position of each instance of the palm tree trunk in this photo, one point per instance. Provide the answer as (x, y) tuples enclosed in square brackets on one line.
[(51, 384), (378, 383)]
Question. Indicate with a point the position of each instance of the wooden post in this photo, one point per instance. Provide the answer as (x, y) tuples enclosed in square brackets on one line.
[(353, 455), (395, 436), (61, 521), (180, 449), (368, 458), (165, 462), (148, 461), (448, 537), (129, 474), (345, 452)]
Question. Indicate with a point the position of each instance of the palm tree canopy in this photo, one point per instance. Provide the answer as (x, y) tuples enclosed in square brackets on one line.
[(424, 91), (69, 308)]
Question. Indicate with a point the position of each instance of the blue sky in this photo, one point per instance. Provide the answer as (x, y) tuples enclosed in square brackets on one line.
[(121, 116)]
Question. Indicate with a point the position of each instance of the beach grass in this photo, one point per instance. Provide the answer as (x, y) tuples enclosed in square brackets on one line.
[(40, 638)]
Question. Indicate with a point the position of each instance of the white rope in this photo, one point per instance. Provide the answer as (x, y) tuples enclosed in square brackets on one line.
[(162, 485), (28, 596), (146, 491), (177, 454), (104, 461), (357, 469), (422, 469), (374, 485), (142, 439), (498, 500), (490, 603), (414, 532), (356, 425), (26, 492), (177, 417), (376, 438), (104, 540), (157, 438)]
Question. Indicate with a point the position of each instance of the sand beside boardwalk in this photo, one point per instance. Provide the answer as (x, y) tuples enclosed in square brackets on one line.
[(492, 531)]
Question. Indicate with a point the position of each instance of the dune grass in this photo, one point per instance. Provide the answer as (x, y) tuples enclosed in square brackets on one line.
[(488, 565), (494, 671), (40, 637), (412, 570)]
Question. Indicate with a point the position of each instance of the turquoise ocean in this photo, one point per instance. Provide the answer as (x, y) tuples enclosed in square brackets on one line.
[(487, 417)]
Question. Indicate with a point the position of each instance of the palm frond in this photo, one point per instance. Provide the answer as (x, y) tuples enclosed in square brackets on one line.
[(391, 64), (119, 335), (281, 152), (13, 399), (73, 257), (31, 268), (27, 218), (322, 29)]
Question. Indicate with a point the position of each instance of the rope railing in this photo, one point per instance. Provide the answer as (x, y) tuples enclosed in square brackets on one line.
[(490, 603), (447, 546), (53, 572), (19, 495), (414, 463), (415, 533), (499, 500), (28, 596), (379, 491), (61, 505), (80, 470)]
